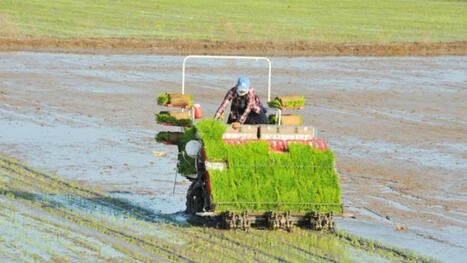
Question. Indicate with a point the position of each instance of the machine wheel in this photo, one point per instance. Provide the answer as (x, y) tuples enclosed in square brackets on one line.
[(321, 221), (194, 198), (276, 220), (232, 220)]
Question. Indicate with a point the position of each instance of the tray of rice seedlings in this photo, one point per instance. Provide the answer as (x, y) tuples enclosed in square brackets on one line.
[(287, 102), (302, 179), (174, 118), (186, 164), (162, 137), (286, 119), (169, 137), (175, 100)]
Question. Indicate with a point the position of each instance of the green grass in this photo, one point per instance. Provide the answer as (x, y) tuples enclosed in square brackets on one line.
[(262, 20), (255, 174)]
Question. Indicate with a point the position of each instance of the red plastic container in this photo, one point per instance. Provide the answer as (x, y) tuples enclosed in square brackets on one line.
[(198, 111)]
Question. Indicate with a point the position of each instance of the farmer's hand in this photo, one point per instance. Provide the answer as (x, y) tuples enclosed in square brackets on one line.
[(236, 125)]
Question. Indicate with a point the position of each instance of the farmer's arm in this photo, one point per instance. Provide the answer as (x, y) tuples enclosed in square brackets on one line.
[(225, 103)]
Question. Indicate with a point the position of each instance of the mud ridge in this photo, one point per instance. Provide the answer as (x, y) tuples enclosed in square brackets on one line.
[(269, 48)]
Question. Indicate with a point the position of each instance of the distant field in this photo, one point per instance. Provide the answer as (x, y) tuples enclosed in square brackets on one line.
[(337, 21)]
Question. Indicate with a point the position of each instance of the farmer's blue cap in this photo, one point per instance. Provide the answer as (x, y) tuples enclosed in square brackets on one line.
[(243, 84)]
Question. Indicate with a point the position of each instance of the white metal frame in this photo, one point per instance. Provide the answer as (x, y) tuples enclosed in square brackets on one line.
[(227, 57)]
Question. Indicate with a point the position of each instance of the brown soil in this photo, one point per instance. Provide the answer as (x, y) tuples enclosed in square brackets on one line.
[(164, 46)]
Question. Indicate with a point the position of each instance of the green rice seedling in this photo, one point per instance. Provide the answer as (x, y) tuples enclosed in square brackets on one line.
[(273, 119), (256, 175), (277, 103), (162, 137), (191, 101), (188, 135), (186, 164), (163, 99), (164, 117), (211, 131)]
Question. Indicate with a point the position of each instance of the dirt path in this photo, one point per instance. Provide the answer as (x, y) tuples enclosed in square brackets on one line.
[(397, 126), (186, 47)]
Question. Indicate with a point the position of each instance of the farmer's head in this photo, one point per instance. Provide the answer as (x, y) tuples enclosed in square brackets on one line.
[(243, 84)]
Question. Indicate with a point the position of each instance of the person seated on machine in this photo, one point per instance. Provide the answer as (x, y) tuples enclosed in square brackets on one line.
[(246, 107)]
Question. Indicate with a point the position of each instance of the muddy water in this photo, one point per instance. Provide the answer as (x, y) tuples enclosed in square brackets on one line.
[(397, 126)]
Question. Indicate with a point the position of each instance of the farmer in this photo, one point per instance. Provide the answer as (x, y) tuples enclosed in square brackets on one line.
[(246, 107)]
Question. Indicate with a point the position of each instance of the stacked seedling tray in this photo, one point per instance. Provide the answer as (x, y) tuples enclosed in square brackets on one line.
[(175, 118), (282, 103), (182, 119)]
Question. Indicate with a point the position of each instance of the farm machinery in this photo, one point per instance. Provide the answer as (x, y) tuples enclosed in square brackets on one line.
[(276, 176)]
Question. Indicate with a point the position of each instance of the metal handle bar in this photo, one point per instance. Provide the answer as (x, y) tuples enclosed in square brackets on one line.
[(227, 57)]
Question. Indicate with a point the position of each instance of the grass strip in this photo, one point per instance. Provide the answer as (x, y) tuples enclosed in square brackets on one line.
[(361, 21)]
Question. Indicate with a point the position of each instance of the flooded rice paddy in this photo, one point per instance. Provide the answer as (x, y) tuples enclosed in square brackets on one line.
[(397, 126)]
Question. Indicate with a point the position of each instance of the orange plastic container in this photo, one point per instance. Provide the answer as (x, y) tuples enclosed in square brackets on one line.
[(198, 111)]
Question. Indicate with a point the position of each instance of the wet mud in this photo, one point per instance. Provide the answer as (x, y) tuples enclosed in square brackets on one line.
[(397, 126)]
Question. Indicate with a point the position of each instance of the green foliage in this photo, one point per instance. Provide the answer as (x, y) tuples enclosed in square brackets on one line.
[(211, 131), (277, 103), (191, 100), (186, 164), (302, 20), (188, 135), (163, 99), (273, 119), (162, 137), (303, 175), (164, 117)]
